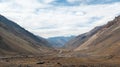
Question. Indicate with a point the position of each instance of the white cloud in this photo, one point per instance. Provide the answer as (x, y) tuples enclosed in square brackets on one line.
[(47, 20)]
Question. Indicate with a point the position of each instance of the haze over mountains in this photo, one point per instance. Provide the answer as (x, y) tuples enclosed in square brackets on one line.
[(60, 41)]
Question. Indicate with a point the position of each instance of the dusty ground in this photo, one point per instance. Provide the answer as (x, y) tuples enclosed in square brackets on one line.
[(55, 62)]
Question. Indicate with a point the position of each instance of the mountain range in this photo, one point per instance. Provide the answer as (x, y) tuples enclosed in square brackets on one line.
[(16, 40), (96, 48), (60, 41)]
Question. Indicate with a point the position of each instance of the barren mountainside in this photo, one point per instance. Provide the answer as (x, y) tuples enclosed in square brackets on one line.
[(105, 41), (16, 40), (75, 42)]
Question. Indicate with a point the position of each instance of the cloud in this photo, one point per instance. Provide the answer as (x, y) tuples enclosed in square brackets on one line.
[(46, 19)]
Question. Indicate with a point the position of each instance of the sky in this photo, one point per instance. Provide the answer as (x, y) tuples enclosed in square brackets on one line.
[(49, 18)]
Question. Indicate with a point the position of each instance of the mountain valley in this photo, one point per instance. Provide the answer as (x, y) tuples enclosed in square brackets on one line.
[(96, 48)]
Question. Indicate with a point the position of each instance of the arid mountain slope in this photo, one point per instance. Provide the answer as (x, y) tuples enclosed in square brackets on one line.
[(105, 42), (77, 41), (16, 40)]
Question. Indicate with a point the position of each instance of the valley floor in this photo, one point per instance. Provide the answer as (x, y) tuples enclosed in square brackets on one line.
[(55, 62)]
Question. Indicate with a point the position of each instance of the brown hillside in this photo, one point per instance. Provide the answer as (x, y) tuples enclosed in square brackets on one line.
[(105, 42), (16, 40)]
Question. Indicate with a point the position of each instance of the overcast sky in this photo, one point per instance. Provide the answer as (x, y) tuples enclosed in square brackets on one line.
[(49, 18)]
